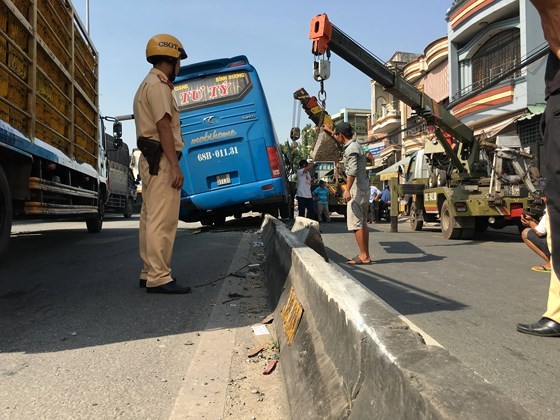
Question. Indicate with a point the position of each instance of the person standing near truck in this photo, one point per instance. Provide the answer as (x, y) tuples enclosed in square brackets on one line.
[(549, 11), (321, 194), (303, 193), (357, 190), (158, 133)]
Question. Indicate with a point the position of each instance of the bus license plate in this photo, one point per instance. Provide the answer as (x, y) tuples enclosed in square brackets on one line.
[(223, 179)]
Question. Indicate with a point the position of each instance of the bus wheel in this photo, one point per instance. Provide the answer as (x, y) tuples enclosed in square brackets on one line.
[(206, 221), (128, 208), (238, 215), (415, 223), (219, 220), (5, 211), (447, 223)]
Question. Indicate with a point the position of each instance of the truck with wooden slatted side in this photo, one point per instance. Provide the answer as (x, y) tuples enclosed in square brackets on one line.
[(52, 159)]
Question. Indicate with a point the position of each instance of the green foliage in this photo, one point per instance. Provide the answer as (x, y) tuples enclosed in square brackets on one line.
[(308, 137), (296, 151)]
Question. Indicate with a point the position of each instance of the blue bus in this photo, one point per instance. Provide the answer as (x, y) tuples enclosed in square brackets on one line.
[(232, 161)]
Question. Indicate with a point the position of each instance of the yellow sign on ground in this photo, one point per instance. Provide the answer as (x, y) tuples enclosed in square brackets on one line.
[(292, 312)]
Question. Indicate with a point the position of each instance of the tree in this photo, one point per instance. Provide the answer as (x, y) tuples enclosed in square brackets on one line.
[(296, 151), (308, 137)]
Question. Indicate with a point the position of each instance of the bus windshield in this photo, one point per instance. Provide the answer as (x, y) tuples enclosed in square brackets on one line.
[(212, 90)]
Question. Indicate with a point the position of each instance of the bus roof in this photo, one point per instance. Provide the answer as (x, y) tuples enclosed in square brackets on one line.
[(211, 66)]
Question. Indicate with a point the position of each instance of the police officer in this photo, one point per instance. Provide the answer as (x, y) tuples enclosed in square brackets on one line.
[(157, 119)]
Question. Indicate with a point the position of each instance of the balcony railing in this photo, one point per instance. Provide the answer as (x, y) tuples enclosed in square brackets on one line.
[(387, 110)]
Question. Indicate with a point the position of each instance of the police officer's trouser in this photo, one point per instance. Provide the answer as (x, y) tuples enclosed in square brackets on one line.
[(552, 174), (158, 222)]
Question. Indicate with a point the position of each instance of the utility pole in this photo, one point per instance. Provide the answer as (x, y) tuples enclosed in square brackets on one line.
[(87, 17)]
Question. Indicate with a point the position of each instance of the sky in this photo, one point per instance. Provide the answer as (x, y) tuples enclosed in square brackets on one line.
[(272, 34)]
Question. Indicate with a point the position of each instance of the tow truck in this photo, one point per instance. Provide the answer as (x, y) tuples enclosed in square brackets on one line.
[(466, 186)]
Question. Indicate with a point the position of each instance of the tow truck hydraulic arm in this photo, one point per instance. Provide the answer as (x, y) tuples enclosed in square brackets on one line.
[(328, 38)]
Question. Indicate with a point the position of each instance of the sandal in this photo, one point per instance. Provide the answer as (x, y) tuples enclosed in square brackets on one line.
[(540, 269), (357, 261)]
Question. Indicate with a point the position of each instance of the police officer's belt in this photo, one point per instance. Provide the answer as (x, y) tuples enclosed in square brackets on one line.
[(152, 151)]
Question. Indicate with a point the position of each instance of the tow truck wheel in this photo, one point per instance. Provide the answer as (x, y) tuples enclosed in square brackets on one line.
[(128, 208), (5, 211), (415, 223), (447, 223)]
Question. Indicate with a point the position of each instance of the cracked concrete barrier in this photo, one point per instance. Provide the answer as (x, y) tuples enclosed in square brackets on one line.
[(345, 355)]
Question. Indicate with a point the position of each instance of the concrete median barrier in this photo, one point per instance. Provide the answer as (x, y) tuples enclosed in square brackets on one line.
[(345, 355)]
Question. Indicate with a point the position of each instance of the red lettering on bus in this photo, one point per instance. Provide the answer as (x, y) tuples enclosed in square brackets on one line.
[(224, 88), (212, 91)]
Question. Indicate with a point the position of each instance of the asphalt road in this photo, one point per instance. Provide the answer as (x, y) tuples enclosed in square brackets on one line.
[(81, 340), (468, 296)]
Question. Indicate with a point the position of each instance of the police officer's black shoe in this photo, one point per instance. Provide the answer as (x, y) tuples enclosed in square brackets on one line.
[(142, 284), (544, 327), (171, 288)]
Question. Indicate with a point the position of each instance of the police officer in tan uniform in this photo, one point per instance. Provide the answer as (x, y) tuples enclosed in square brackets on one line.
[(157, 120)]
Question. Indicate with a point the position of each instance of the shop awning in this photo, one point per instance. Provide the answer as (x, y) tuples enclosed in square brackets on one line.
[(494, 128), (393, 170)]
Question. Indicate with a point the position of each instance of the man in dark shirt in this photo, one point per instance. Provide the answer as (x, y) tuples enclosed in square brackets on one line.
[(384, 200), (549, 11)]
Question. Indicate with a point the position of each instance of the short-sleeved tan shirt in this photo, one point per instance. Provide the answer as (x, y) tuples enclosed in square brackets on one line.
[(152, 101)]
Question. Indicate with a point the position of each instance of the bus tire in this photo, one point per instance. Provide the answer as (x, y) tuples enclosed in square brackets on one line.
[(219, 220), (128, 207), (5, 212), (205, 221)]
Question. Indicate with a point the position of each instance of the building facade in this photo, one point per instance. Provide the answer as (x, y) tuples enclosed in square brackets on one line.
[(488, 39), (358, 119), (477, 71), (429, 73), (384, 126)]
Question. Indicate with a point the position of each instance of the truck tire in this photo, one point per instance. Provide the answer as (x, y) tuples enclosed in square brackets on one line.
[(5, 212), (128, 208), (415, 222), (447, 223), (95, 223)]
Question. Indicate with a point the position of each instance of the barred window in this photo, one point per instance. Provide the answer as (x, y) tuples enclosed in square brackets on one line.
[(498, 55)]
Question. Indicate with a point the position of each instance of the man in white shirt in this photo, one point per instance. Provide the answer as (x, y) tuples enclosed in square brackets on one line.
[(373, 204), (303, 193)]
